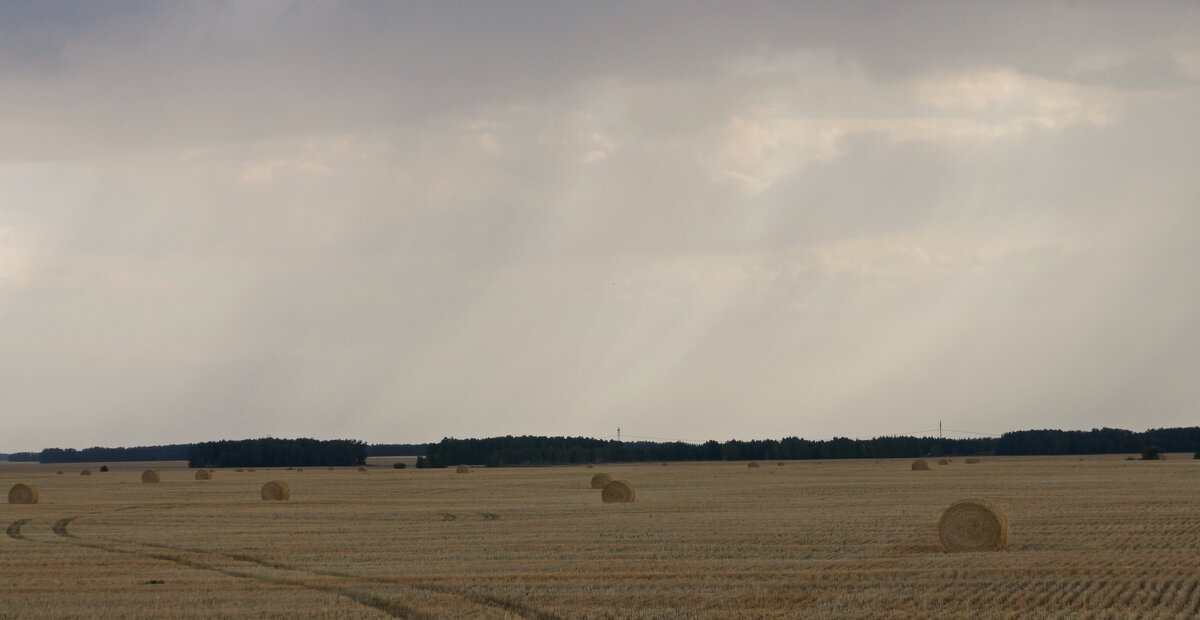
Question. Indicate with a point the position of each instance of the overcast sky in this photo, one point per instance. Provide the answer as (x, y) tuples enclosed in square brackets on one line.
[(692, 220)]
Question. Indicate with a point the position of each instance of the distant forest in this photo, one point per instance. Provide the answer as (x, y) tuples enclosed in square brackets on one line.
[(537, 450), (532, 450), (271, 452), (175, 452)]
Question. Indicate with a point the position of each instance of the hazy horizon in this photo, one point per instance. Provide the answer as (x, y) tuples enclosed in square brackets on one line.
[(399, 222)]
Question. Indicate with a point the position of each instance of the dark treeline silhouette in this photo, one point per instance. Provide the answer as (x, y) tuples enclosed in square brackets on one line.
[(536, 450), (174, 452), (396, 449), (20, 456), (272, 452)]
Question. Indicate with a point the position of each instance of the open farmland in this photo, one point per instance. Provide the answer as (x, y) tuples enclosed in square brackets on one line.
[(1093, 537)]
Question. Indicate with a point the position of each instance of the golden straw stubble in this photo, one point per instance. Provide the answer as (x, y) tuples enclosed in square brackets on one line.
[(920, 465), (23, 494), (203, 474), (599, 480), (276, 490), (973, 525), (151, 476), (618, 492)]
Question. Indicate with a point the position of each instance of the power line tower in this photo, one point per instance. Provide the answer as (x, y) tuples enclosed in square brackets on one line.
[(939, 429), (618, 433)]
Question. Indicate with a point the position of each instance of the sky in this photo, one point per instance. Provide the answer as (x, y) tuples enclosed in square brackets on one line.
[(694, 220)]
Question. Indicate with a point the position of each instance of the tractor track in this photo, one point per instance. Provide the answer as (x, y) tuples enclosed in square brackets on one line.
[(389, 607)]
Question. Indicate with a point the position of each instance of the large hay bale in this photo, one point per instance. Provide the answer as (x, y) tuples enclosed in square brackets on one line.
[(972, 461), (920, 465), (618, 492), (239, 470), (781, 464), (943, 462), (276, 490), (23, 494), (599, 480), (151, 476), (60, 472), (86, 472), (590, 466), (973, 525), (203, 475), (463, 469), (362, 468), (752, 464)]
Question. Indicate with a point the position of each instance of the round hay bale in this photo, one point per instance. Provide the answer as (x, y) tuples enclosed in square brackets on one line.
[(239, 470), (203, 475), (752, 464), (590, 466), (23, 494), (151, 476), (974, 461), (463, 469), (60, 472), (299, 469), (599, 480), (943, 462), (664, 464), (362, 468), (618, 492), (251, 470), (920, 465), (781, 463), (276, 490), (973, 525), (86, 472)]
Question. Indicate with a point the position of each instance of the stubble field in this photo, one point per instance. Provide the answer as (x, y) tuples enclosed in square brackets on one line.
[(1097, 537)]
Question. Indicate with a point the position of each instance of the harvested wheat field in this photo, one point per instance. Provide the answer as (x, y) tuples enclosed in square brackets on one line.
[(1098, 537)]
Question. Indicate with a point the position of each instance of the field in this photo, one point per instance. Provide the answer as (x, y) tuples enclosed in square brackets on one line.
[(1092, 537)]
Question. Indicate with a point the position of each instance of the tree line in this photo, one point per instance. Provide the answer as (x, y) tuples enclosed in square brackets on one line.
[(172, 452), (272, 452), (539, 450)]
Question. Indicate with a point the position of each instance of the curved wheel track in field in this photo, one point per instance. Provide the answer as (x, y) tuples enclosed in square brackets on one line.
[(392, 608), (447, 516), (14, 530)]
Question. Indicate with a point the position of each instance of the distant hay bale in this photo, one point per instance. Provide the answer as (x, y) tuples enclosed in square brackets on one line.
[(463, 469), (752, 464), (599, 480), (590, 466), (618, 492), (276, 490), (972, 461), (664, 464), (86, 472), (251, 470), (362, 468), (60, 472), (943, 462), (239, 470), (299, 469), (151, 476), (920, 465), (22, 494), (781, 463), (203, 475), (330, 469), (973, 525)]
